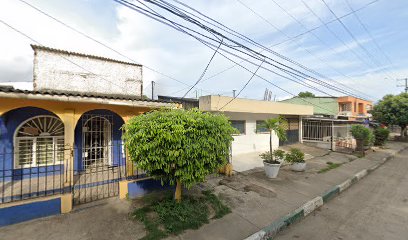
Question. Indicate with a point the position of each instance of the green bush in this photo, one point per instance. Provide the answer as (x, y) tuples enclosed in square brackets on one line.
[(360, 132), (179, 146), (381, 136), (369, 141), (295, 156)]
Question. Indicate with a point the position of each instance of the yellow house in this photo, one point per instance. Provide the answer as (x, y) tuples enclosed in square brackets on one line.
[(61, 146)]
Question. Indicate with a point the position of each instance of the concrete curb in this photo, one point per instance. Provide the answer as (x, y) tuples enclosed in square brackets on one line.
[(270, 231)]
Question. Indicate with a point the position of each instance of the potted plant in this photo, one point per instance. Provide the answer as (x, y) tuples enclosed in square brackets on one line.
[(297, 159), (364, 137), (272, 159)]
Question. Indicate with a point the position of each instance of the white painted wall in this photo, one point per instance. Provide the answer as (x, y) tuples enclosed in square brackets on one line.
[(52, 71), (251, 141)]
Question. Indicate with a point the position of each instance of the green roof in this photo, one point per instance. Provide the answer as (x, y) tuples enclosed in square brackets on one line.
[(321, 105)]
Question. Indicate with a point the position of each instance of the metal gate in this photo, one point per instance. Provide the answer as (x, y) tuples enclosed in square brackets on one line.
[(292, 131), (102, 162)]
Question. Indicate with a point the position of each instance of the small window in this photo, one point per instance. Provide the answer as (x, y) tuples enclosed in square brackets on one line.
[(260, 128), (240, 125)]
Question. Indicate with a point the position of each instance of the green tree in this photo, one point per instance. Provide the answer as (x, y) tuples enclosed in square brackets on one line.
[(393, 110), (179, 146), (275, 125), (306, 94)]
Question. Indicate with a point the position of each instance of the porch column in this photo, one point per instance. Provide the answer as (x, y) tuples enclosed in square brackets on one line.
[(69, 119), (300, 129)]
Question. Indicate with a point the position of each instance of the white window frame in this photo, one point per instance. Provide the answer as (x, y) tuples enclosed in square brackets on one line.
[(34, 147)]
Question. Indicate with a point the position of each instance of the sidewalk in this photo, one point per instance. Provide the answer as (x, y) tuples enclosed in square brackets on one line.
[(257, 201)]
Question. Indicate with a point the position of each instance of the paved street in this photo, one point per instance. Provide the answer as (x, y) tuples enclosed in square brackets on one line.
[(375, 208)]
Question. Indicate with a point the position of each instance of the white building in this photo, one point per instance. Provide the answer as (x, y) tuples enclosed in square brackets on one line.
[(245, 114), (62, 70)]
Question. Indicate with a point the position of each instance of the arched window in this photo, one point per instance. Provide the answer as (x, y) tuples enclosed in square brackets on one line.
[(39, 141)]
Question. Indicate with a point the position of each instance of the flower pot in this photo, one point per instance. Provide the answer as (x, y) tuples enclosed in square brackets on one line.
[(271, 170), (299, 167)]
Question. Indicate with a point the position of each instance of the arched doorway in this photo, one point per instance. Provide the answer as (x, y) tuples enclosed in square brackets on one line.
[(99, 156), (96, 141)]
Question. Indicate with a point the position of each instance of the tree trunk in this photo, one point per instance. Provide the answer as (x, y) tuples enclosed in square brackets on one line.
[(270, 145), (403, 131), (177, 194)]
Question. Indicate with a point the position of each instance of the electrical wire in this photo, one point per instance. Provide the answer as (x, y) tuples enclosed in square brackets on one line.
[(67, 59), (310, 53), (242, 89), (205, 69), (255, 54), (355, 39)]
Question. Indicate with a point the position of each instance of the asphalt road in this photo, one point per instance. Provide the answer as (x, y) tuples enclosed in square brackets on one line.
[(374, 208)]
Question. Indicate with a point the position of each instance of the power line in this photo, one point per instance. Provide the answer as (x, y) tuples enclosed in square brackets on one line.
[(242, 89), (312, 54), (212, 46), (369, 33), (324, 43), (32, 39), (325, 24), (282, 67), (205, 70), (353, 37), (102, 44)]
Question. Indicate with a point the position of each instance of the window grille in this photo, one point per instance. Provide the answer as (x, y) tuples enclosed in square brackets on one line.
[(39, 141)]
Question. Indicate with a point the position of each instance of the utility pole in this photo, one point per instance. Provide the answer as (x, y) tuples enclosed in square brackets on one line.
[(233, 93), (153, 90), (406, 84)]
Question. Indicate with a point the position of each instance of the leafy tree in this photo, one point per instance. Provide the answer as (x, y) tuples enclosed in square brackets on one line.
[(392, 110), (306, 94), (179, 146), (274, 125)]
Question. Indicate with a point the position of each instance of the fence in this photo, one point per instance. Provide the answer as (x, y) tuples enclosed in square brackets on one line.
[(89, 172), (335, 134)]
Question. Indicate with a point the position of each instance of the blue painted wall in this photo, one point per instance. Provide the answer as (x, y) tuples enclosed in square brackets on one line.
[(8, 125), (29, 211), (139, 188)]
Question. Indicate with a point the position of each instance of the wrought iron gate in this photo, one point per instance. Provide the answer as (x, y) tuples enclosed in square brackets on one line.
[(102, 163)]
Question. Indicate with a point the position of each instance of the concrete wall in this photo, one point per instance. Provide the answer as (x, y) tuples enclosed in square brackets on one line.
[(251, 141), (55, 70), (224, 104)]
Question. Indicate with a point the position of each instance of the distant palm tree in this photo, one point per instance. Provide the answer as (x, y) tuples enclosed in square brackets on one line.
[(275, 125)]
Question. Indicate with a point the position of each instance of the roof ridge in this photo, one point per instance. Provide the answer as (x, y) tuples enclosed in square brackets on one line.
[(41, 47)]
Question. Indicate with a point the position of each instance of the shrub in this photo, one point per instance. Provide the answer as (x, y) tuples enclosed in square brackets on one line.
[(360, 132), (179, 146), (369, 141), (295, 156), (381, 136)]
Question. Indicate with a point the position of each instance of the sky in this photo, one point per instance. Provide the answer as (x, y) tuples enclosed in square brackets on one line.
[(368, 64)]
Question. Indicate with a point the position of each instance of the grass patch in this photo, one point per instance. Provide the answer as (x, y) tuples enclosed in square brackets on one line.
[(162, 216), (330, 166)]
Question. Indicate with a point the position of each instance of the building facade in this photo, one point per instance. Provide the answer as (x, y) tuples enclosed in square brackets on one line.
[(247, 116), (61, 143), (347, 107)]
